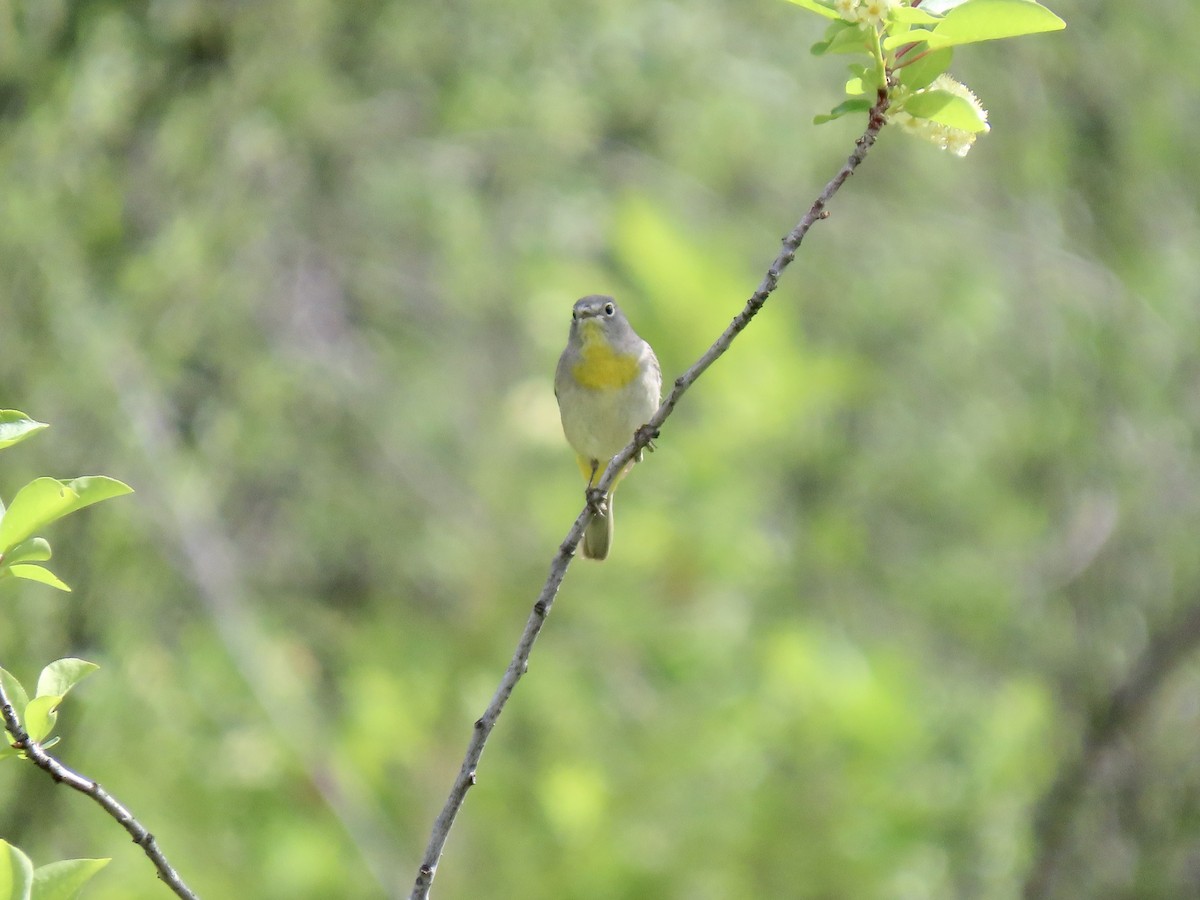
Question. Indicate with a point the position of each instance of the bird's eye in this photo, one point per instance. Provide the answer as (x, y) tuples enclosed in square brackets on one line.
[(574, 314), (609, 309)]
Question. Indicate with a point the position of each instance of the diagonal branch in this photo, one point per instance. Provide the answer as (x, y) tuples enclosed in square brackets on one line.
[(642, 438), (61, 774), (1111, 718)]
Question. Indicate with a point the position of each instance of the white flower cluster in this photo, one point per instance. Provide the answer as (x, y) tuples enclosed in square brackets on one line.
[(866, 12), (955, 140)]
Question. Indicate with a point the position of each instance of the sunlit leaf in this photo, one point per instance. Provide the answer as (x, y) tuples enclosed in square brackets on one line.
[(64, 879), (947, 108), (836, 34), (94, 488), (63, 674), (44, 500), (900, 39), (817, 7), (39, 574), (989, 20), (941, 7), (853, 39), (16, 873), (14, 690), (15, 426), (40, 716), (842, 109), (32, 550), (864, 81), (909, 15), (41, 501), (923, 69)]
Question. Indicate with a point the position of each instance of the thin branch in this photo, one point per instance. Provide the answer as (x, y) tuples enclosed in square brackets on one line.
[(1110, 719), (642, 438), (191, 528), (61, 774)]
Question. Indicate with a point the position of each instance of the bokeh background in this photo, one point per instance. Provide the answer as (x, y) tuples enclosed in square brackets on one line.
[(904, 605)]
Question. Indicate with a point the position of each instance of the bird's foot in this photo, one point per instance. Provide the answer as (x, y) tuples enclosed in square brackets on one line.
[(646, 436), (597, 501)]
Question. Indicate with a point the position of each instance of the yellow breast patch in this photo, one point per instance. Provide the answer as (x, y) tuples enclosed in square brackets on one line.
[(599, 366)]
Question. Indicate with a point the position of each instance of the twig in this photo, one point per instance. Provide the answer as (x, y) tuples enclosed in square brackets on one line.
[(643, 436), (61, 774), (1110, 719)]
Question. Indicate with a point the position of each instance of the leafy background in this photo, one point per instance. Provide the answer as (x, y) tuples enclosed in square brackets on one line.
[(299, 273)]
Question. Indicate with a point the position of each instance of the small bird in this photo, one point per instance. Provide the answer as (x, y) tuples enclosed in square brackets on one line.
[(608, 385)]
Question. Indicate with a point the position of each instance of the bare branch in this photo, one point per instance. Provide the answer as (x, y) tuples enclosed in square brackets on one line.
[(1111, 717), (643, 436), (61, 774)]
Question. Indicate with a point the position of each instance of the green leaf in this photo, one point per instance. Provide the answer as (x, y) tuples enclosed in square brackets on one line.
[(41, 501), (14, 690), (64, 879), (45, 500), (94, 488), (844, 108), (40, 574), (40, 716), (15, 426), (832, 33), (989, 20), (947, 108), (851, 39), (63, 674), (907, 15), (817, 7), (16, 873), (865, 81), (924, 68), (902, 38), (34, 549)]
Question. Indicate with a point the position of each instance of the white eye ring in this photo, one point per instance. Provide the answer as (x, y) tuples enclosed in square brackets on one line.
[(609, 309)]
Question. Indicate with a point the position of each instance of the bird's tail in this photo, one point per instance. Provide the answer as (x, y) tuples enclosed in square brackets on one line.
[(597, 537)]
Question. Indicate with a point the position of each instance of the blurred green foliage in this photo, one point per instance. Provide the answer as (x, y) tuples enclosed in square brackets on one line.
[(299, 273)]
